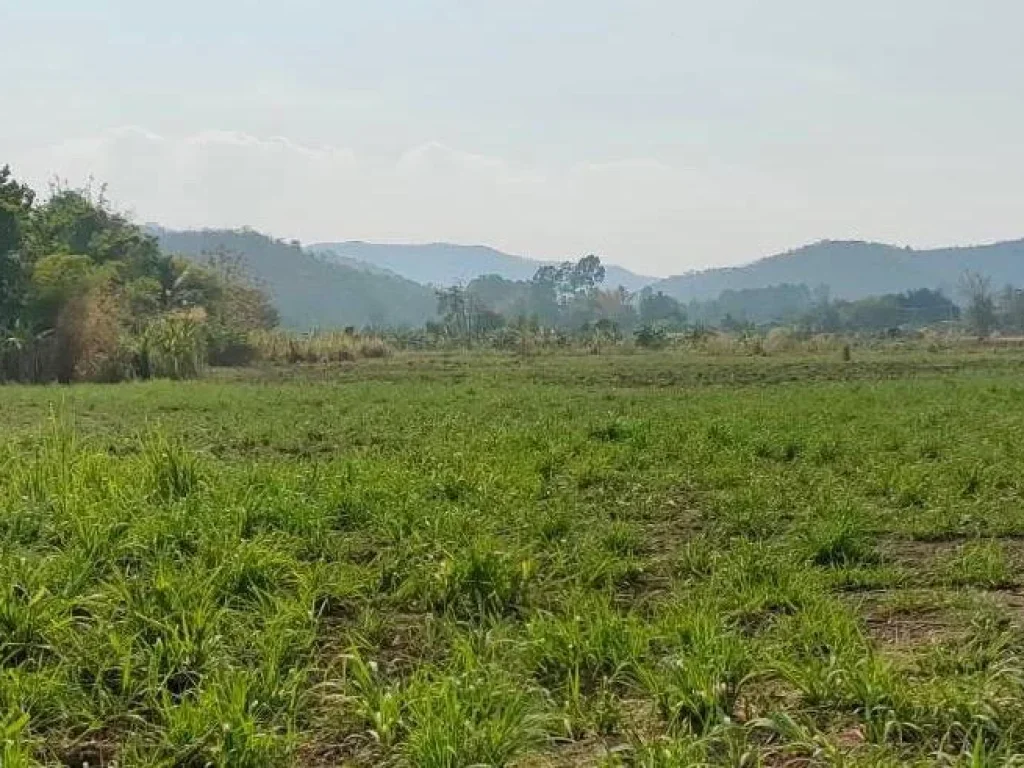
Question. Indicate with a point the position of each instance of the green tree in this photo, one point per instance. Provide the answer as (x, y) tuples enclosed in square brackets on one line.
[(980, 312), (464, 316), (585, 275), (84, 292), (452, 308), (16, 201), (561, 291), (56, 280), (659, 308)]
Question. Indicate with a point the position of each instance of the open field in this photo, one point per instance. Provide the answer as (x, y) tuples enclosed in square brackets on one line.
[(645, 560)]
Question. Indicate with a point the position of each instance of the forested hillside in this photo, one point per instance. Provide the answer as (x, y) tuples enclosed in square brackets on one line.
[(854, 270), (310, 291)]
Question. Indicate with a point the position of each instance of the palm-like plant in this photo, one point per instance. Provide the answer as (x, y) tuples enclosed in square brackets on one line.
[(20, 346)]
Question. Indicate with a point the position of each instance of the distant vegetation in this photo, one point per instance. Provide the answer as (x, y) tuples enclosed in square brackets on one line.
[(499, 299), (569, 295), (87, 295), (856, 270), (799, 306), (570, 302), (310, 291)]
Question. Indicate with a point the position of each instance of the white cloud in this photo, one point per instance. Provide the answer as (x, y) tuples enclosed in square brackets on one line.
[(430, 192), (641, 212)]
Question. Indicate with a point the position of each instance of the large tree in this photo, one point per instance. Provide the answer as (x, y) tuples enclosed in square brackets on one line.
[(560, 291), (16, 200)]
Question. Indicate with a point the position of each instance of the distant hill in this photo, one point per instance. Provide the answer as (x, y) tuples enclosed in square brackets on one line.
[(307, 290), (356, 283), (447, 264), (854, 270)]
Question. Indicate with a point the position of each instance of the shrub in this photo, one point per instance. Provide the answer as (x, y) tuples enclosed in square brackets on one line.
[(91, 341), (87, 343), (650, 337), (228, 346), (27, 356)]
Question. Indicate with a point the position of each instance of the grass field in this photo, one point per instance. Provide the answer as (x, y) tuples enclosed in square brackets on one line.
[(648, 560)]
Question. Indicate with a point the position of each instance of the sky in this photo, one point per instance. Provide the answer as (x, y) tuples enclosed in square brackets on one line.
[(663, 135)]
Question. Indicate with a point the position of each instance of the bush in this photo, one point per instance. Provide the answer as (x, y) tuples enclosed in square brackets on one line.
[(651, 337), (229, 347)]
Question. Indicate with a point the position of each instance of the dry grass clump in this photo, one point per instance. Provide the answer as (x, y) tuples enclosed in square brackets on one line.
[(317, 346)]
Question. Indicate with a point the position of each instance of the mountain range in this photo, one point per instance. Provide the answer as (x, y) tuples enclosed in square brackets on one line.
[(446, 264), (854, 270), (357, 283)]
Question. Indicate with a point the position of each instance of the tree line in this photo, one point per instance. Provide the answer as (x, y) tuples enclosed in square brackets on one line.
[(86, 295), (571, 298)]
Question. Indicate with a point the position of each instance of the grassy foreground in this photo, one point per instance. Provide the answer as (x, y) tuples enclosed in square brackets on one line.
[(645, 561)]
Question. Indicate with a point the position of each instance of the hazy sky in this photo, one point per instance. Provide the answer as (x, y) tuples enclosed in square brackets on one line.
[(662, 134)]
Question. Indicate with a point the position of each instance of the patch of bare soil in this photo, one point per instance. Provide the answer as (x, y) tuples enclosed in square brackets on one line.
[(575, 754), (904, 618)]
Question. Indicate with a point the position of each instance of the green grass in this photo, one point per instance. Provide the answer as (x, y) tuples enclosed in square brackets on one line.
[(642, 560)]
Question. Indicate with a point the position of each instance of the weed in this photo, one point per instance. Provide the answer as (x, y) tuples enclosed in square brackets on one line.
[(480, 717), (15, 749), (483, 580), (840, 542), (174, 471), (593, 646), (697, 683), (615, 431), (978, 564)]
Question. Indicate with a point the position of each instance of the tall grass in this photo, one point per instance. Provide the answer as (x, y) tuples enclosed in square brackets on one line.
[(174, 346), (317, 347)]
